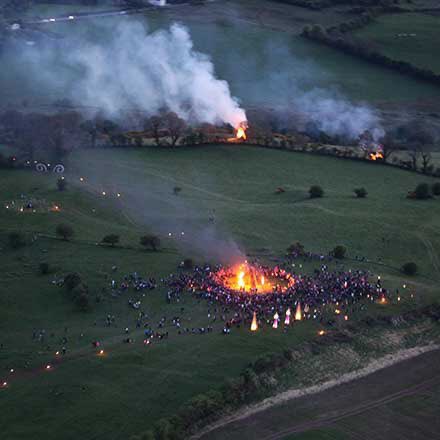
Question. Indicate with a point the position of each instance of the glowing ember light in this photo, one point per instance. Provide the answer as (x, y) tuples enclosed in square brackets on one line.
[(345, 317), (298, 312), (57, 353), (276, 318), (337, 311), (118, 194), (398, 298), (4, 384), (321, 332), (103, 193), (100, 352), (240, 132), (383, 300), (11, 370), (287, 319), (254, 324), (81, 179), (48, 367)]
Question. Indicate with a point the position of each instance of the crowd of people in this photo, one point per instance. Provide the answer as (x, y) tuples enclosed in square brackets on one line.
[(316, 294)]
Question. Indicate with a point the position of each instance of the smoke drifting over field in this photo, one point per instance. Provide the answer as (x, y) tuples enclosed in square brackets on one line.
[(132, 69), (336, 116)]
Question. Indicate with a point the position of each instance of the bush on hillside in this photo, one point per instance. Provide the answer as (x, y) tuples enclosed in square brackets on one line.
[(361, 193), (339, 252), (16, 239), (316, 191), (110, 239), (422, 191), (150, 240), (82, 301), (410, 268), (436, 189), (64, 231), (44, 268), (188, 263), (72, 280), (296, 248)]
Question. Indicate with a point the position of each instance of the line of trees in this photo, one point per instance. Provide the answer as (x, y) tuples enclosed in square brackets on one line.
[(322, 4)]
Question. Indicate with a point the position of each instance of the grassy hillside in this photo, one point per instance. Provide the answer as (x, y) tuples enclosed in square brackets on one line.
[(137, 384), (407, 37)]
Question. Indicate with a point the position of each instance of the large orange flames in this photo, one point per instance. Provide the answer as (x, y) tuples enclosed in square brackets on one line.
[(245, 277), (240, 133)]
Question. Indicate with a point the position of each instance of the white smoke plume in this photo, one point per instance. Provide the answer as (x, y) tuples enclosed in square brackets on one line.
[(134, 69), (337, 116)]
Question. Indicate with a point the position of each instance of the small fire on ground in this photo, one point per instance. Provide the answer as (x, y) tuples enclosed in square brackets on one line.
[(377, 155)]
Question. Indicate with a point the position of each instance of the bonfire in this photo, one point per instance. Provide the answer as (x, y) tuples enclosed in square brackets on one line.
[(253, 279), (240, 133)]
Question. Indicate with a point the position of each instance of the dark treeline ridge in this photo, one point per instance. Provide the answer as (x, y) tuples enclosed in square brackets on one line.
[(323, 4)]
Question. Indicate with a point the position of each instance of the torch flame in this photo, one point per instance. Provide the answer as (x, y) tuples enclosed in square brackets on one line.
[(254, 325), (298, 313)]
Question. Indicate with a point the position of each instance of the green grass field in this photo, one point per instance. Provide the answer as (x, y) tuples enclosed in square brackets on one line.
[(408, 37), (137, 384)]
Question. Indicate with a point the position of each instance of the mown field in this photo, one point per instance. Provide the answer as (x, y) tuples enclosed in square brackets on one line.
[(408, 37), (137, 384)]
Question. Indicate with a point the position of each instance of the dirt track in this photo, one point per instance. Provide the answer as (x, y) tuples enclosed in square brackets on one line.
[(359, 400)]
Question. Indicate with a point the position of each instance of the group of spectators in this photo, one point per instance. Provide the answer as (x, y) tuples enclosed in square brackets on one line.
[(316, 294)]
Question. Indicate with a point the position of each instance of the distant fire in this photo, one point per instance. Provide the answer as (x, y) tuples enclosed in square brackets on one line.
[(249, 278), (377, 155), (240, 133)]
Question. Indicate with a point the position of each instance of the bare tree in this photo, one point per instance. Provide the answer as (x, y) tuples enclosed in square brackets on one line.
[(175, 126), (155, 124)]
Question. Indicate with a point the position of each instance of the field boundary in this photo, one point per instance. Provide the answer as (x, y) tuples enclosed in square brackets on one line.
[(295, 393)]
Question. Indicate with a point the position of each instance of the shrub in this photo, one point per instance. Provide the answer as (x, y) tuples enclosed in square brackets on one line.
[(316, 191), (177, 190), (296, 249), (44, 268), (61, 184), (361, 193), (188, 263), (72, 280), (110, 239), (339, 252), (410, 268), (422, 191), (436, 189), (82, 301), (150, 240), (16, 240), (64, 231)]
